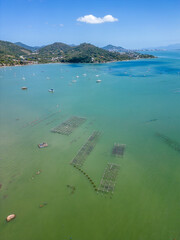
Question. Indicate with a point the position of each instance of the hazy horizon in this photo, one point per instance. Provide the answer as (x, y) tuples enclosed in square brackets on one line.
[(43, 45)]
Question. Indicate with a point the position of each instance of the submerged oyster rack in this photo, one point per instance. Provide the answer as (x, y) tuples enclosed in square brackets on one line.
[(67, 127), (173, 144), (39, 120), (86, 149), (118, 150), (108, 179)]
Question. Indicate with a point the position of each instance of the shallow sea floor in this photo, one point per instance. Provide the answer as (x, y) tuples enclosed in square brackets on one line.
[(134, 101)]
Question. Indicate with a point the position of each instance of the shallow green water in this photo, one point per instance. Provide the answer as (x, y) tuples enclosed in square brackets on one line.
[(146, 201)]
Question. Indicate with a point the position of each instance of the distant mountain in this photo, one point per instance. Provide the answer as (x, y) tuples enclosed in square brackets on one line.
[(165, 48), (171, 47), (131, 54), (72, 45), (33, 49), (112, 48), (12, 54)]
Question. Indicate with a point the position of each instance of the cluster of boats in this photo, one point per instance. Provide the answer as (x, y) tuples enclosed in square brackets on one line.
[(43, 144), (52, 90)]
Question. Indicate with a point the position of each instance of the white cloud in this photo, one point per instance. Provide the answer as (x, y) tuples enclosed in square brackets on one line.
[(61, 25), (96, 20)]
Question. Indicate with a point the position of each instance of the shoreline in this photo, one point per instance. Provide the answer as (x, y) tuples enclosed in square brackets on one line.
[(75, 63)]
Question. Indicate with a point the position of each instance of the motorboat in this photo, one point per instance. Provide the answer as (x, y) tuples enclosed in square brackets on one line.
[(51, 90), (98, 81), (10, 217), (42, 145), (24, 88)]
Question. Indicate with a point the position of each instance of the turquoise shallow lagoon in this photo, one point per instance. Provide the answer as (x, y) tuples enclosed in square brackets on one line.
[(134, 101)]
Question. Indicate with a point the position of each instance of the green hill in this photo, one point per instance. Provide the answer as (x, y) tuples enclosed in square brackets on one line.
[(10, 54), (8, 48), (112, 48), (89, 53), (83, 53), (55, 49)]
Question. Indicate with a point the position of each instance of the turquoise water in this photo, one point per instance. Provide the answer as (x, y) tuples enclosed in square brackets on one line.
[(146, 201)]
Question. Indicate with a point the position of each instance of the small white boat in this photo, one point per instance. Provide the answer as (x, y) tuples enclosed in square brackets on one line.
[(98, 81), (77, 76), (51, 90), (97, 75)]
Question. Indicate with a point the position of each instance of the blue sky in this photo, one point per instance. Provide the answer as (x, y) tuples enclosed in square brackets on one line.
[(137, 23)]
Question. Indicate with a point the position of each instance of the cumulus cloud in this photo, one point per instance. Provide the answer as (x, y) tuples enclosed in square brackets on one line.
[(96, 20)]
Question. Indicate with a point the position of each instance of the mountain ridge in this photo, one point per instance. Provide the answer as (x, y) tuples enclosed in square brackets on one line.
[(164, 48), (58, 52), (20, 44), (175, 46), (113, 48), (11, 48)]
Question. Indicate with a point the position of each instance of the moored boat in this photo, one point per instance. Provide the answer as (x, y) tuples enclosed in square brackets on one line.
[(98, 81), (10, 217), (24, 88), (42, 145), (51, 90)]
